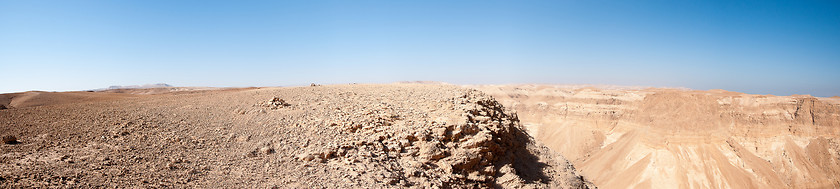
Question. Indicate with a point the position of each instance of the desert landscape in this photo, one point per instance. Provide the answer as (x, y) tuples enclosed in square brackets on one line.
[(418, 135), (633, 137), (420, 94), (335, 136)]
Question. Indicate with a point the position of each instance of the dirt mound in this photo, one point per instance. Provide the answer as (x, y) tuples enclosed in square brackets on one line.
[(670, 138), (342, 136)]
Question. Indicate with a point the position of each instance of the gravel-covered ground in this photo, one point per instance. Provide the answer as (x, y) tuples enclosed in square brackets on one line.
[(337, 136)]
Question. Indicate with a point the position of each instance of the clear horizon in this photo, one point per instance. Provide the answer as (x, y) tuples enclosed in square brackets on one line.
[(756, 47)]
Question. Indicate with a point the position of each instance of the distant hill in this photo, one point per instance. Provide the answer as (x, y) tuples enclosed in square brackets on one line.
[(159, 85), (146, 86)]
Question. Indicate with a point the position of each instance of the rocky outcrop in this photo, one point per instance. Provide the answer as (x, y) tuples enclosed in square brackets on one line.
[(482, 146)]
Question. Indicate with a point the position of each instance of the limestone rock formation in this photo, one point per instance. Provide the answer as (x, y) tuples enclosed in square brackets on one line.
[(677, 138)]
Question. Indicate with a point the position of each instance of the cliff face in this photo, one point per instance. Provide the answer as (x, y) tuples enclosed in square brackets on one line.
[(669, 138)]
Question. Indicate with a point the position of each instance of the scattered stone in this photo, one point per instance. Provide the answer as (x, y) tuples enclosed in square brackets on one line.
[(266, 150), (274, 103), (252, 153), (305, 157), (431, 152), (278, 102), (171, 166), (332, 137), (9, 139)]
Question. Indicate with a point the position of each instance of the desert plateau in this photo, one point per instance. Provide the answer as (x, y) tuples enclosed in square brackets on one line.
[(609, 94), (418, 135), (335, 136)]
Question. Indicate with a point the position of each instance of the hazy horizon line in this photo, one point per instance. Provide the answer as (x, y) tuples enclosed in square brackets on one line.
[(466, 84)]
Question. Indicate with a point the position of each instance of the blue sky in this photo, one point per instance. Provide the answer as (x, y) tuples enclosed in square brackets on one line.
[(761, 47)]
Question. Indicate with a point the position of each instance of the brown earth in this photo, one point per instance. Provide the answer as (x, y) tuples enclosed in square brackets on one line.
[(40, 98), (339, 136), (676, 138)]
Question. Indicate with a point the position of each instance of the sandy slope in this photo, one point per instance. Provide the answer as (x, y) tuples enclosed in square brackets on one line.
[(675, 138), (342, 136), (39, 98)]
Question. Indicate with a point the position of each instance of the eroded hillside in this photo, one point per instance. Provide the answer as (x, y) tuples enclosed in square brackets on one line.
[(342, 136), (671, 138)]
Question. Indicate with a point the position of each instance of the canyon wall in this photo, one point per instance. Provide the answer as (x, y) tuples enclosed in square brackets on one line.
[(624, 137)]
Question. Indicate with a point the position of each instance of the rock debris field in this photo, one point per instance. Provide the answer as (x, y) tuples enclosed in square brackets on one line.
[(332, 136)]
